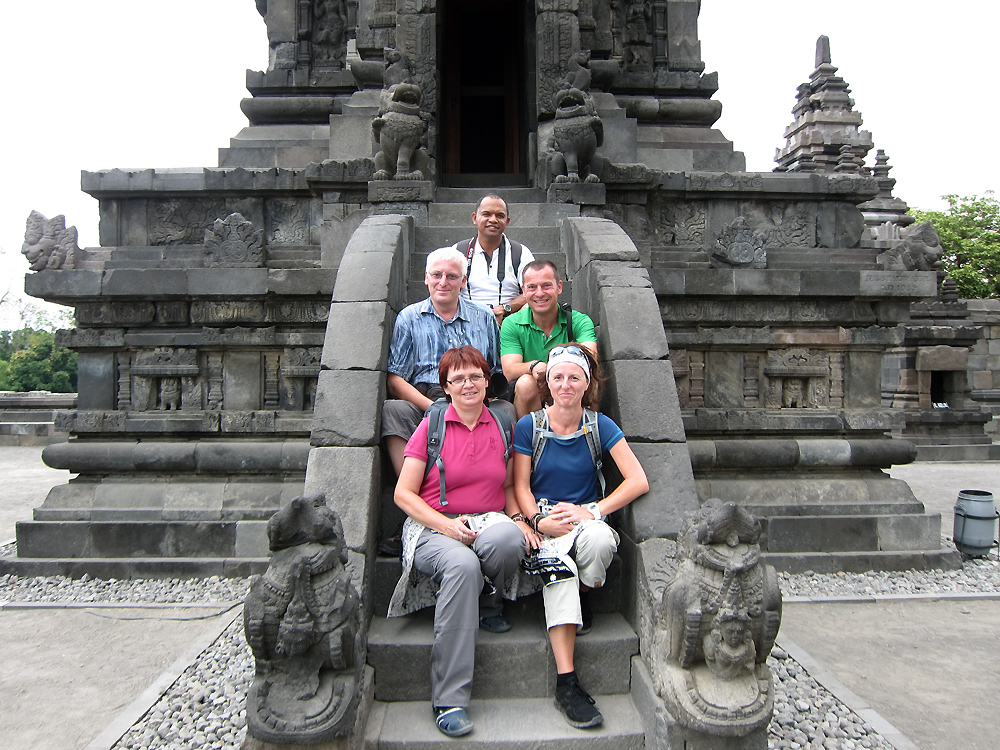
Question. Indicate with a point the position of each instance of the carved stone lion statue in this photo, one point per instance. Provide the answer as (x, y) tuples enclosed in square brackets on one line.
[(578, 128), (400, 124), (718, 620), (49, 243), (302, 619)]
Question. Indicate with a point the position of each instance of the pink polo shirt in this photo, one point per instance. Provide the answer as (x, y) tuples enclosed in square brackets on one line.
[(473, 465)]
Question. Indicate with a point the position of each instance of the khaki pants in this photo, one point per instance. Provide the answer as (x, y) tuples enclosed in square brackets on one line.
[(591, 555)]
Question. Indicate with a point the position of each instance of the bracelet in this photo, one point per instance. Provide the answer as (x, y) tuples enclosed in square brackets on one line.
[(534, 521), (519, 517), (533, 365)]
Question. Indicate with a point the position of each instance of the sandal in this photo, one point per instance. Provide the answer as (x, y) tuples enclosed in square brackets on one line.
[(453, 722)]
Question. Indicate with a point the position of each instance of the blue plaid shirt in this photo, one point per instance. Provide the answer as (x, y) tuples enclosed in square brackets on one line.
[(420, 338)]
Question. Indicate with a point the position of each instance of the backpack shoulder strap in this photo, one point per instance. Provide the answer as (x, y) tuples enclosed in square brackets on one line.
[(568, 309), (594, 443), (468, 249), (515, 259), (539, 426), (435, 440), (506, 430)]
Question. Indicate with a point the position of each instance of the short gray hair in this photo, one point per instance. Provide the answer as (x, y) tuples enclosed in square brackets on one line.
[(447, 253)]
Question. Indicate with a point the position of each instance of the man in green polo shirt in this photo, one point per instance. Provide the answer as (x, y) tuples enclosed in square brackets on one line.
[(527, 336)]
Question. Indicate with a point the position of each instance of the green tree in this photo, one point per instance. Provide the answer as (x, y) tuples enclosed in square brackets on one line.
[(970, 236), (35, 363)]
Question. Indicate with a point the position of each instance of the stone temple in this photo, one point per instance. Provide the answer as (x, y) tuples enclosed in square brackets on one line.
[(769, 336)]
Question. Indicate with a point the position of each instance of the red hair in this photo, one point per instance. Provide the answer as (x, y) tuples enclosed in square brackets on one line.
[(462, 356)]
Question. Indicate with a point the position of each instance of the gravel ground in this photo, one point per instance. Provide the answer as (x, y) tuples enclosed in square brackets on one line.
[(205, 707)]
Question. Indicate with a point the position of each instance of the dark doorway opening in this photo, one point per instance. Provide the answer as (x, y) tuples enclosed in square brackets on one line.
[(483, 83)]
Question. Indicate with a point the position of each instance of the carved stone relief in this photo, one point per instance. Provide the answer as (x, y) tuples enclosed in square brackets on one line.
[(782, 224), (115, 313), (287, 221), (233, 242), (740, 246), (329, 34), (558, 38), (182, 221), (765, 311)]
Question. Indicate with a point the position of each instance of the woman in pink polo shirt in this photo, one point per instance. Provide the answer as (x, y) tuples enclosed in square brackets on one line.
[(454, 546)]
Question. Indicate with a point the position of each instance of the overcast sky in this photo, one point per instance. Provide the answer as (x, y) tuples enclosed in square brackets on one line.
[(134, 84)]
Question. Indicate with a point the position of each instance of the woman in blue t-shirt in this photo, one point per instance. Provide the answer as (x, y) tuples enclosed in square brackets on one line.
[(562, 496)]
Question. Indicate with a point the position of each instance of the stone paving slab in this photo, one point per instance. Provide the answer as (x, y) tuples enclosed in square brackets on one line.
[(66, 674), (930, 667)]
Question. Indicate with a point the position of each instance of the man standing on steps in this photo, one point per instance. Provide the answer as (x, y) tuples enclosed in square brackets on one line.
[(496, 263), (527, 336), (423, 332)]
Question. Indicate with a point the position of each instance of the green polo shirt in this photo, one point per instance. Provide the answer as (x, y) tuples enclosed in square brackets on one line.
[(520, 335)]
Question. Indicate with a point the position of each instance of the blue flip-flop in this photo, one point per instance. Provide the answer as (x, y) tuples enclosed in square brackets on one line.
[(453, 722)]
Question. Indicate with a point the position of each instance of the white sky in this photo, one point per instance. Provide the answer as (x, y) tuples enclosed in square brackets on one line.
[(138, 84)]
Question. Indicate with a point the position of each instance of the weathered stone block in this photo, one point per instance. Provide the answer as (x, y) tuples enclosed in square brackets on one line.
[(715, 282), (723, 379), (146, 283), (759, 281), (630, 325), (55, 284), (671, 494), (863, 379), (909, 532), (588, 239), (357, 336), (241, 381), (295, 282), (251, 539), (942, 358), (349, 478), (348, 408), (186, 500), (96, 380), (250, 499), (642, 399), (898, 283), (370, 276), (227, 282)]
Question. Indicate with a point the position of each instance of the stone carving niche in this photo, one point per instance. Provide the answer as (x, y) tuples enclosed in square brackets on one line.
[(797, 379), (233, 242), (165, 379)]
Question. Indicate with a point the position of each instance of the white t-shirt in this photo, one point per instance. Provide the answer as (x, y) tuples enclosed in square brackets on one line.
[(483, 287)]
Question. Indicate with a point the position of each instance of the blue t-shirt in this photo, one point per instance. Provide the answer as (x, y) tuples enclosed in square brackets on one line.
[(565, 471)]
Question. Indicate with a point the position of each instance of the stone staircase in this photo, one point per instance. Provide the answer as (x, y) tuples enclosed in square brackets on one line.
[(514, 686)]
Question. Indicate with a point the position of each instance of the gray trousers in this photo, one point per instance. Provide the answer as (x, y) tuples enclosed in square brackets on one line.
[(462, 599)]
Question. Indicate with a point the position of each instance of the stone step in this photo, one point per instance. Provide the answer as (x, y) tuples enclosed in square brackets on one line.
[(473, 194), (861, 562), (522, 215), (134, 567), (517, 663), (512, 724), (538, 239), (857, 533)]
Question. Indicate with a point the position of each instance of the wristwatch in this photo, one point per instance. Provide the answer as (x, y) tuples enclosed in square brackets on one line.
[(533, 365), (506, 309)]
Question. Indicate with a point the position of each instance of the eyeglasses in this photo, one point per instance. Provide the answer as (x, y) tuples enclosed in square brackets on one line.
[(474, 379), (557, 350), (438, 275)]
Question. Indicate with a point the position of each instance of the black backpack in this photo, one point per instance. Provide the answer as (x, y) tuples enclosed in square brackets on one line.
[(435, 438)]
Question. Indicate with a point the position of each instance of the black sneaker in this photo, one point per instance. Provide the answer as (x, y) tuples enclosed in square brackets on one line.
[(577, 705), (588, 616)]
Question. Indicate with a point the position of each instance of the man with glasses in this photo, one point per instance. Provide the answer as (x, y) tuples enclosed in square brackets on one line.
[(527, 336), (496, 263), (423, 332)]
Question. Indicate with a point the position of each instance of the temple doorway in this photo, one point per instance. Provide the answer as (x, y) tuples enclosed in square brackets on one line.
[(484, 108)]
